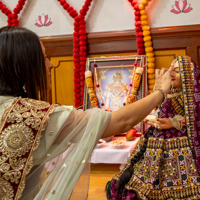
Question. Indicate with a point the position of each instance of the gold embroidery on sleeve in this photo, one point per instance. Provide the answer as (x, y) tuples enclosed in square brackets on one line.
[(20, 132)]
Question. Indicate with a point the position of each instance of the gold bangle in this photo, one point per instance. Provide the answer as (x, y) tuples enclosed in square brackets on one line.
[(164, 96)]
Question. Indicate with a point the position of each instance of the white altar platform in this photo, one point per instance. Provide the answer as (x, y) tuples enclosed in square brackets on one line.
[(109, 155)]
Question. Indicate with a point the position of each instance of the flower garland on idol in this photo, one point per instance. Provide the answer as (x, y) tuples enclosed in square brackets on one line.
[(135, 84), (79, 48), (143, 31), (12, 16)]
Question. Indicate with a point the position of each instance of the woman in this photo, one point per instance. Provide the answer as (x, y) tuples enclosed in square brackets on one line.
[(165, 163), (32, 131)]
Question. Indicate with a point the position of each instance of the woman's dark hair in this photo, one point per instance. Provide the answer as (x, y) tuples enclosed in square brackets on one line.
[(126, 175), (22, 64)]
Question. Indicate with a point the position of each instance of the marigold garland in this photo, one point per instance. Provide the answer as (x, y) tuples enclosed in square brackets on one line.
[(143, 38), (12, 16), (79, 48), (137, 74), (138, 28), (148, 45), (90, 89), (143, 35)]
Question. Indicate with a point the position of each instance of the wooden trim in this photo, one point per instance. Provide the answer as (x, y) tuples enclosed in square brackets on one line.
[(164, 38)]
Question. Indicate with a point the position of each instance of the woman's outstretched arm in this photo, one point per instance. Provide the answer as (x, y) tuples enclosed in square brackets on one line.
[(125, 118)]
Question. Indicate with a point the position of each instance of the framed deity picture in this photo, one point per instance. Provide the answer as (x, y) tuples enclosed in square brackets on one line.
[(117, 81)]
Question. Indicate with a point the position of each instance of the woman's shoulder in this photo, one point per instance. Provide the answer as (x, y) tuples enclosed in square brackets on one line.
[(33, 104), (62, 108), (57, 110)]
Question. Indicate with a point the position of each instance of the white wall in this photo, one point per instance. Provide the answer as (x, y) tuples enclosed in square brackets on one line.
[(103, 15)]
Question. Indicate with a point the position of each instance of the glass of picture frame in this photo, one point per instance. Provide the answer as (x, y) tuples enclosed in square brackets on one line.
[(114, 75)]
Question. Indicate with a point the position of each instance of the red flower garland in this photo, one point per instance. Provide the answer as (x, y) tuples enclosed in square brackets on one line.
[(12, 17), (79, 48), (138, 28)]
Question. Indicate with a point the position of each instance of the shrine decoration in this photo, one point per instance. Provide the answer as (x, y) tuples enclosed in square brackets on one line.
[(12, 16), (181, 6), (90, 89), (135, 84), (132, 91), (138, 27), (43, 20), (98, 86), (143, 38), (131, 97), (79, 48), (148, 45)]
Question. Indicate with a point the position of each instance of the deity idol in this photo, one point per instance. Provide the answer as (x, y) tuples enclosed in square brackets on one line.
[(115, 93)]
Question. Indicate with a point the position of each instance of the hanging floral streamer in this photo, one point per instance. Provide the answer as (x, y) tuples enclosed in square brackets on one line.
[(79, 48), (135, 83), (144, 39), (132, 93), (90, 89), (148, 45), (138, 28), (12, 17)]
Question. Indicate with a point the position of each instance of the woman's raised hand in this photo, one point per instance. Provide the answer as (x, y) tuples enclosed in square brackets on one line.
[(163, 79)]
